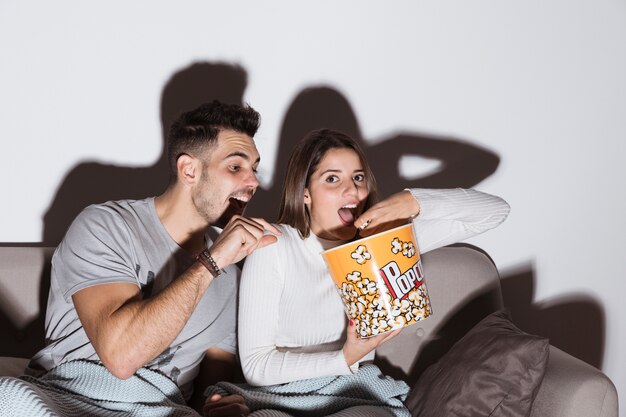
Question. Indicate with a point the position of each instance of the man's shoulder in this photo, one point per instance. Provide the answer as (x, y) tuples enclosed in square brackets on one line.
[(110, 218), (121, 205), (116, 209)]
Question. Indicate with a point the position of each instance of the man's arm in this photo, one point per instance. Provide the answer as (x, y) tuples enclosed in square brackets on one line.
[(127, 331)]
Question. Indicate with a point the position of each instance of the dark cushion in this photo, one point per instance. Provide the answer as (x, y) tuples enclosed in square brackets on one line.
[(494, 370)]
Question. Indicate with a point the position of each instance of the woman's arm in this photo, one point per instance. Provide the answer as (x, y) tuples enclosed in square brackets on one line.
[(440, 216), (261, 293), (450, 216)]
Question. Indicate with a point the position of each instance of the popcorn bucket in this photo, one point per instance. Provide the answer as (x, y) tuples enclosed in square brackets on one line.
[(381, 281)]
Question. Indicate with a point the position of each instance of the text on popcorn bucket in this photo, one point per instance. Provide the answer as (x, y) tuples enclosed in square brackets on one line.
[(400, 284)]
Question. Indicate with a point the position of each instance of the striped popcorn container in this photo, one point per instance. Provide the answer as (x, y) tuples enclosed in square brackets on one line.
[(380, 280)]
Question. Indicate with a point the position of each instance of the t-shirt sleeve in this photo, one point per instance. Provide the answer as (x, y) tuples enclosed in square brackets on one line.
[(229, 343), (96, 250)]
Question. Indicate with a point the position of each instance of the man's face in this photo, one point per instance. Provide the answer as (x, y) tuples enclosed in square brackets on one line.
[(228, 178)]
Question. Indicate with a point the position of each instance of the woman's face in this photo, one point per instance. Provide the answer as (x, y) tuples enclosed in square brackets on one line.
[(336, 194)]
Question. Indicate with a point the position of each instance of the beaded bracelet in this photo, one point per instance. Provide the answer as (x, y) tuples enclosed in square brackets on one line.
[(209, 263)]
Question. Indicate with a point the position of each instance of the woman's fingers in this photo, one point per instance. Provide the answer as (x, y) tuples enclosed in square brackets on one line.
[(391, 212)]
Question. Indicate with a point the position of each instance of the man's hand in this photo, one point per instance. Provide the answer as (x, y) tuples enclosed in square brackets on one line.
[(391, 212), (232, 405), (356, 348), (241, 237)]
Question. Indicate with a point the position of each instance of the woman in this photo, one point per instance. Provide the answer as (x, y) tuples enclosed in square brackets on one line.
[(292, 324)]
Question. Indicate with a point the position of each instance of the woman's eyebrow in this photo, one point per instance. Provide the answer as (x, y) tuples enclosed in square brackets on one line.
[(338, 170)]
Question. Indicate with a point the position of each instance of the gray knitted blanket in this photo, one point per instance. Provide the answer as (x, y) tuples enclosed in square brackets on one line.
[(87, 388), (366, 393)]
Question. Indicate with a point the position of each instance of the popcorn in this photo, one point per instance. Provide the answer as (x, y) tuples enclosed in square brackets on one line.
[(396, 246), (378, 308), (367, 287), (348, 291), (352, 310), (381, 281), (361, 255), (398, 322), (375, 311), (354, 276), (408, 250), (362, 301)]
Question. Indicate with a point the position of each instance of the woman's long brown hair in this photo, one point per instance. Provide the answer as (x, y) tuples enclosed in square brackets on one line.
[(303, 161)]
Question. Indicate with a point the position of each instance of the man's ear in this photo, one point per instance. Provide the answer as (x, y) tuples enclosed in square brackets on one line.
[(307, 196), (187, 169)]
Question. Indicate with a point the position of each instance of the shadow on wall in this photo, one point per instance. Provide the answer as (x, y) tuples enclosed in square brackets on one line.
[(462, 164), (22, 337), (92, 182), (573, 323)]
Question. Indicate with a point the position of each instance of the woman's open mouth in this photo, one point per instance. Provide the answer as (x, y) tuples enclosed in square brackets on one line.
[(347, 214)]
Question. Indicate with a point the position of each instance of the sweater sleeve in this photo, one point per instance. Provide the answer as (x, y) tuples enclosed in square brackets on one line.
[(261, 296), (451, 215)]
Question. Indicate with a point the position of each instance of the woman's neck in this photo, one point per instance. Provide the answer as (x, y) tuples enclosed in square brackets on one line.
[(329, 244)]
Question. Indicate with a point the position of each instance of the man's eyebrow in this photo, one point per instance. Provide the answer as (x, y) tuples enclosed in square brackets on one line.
[(241, 155)]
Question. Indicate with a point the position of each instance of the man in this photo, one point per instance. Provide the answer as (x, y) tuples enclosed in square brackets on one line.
[(140, 283)]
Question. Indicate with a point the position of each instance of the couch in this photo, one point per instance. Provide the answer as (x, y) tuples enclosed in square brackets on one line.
[(464, 287)]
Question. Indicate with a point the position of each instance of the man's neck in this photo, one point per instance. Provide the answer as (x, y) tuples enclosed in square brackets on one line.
[(181, 220)]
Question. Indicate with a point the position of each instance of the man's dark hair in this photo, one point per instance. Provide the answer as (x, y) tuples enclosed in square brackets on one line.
[(196, 131)]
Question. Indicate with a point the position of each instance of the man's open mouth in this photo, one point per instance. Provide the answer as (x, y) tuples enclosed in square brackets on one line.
[(238, 204)]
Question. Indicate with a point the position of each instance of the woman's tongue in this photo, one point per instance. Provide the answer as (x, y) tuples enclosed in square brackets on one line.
[(346, 215)]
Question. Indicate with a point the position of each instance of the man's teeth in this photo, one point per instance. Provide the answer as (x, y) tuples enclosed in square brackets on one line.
[(242, 199), (349, 206)]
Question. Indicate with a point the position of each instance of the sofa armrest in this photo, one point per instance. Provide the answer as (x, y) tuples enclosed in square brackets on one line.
[(10, 366), (573, 388)]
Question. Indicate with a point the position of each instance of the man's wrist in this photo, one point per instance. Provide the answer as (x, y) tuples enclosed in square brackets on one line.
[(209, 263)]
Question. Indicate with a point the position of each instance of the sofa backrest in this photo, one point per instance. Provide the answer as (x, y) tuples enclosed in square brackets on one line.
[(462, 281), (24, 284), (464, 287)]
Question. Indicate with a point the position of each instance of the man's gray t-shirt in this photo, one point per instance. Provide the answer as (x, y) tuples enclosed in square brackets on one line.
[(124, 241)]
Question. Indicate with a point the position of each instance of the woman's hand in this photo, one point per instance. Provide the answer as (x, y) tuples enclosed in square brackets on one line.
[(355, 348), (391, 212)]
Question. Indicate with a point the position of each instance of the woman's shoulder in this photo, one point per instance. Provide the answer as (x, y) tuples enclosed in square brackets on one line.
[(274, 255), (288, 238), (288, 231)]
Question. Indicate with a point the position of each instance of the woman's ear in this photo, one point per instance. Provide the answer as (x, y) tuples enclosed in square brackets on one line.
[(186, 169), (307, 196)]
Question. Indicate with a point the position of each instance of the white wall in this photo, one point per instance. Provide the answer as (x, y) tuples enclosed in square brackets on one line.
[(540, 83)]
